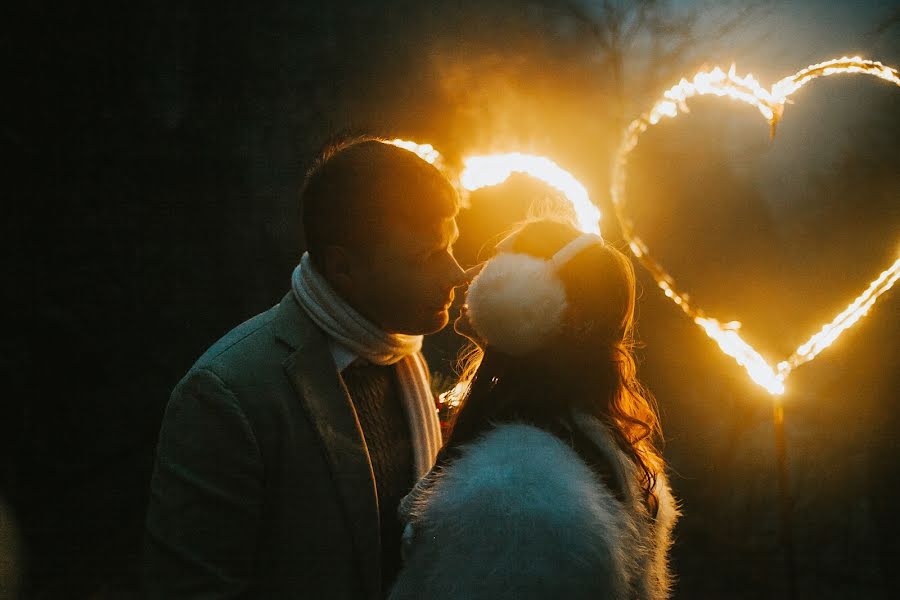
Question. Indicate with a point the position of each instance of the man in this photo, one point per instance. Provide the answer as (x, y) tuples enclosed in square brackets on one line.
[(286, 448)]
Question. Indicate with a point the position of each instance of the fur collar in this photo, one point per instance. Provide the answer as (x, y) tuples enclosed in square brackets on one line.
[(520, 515)]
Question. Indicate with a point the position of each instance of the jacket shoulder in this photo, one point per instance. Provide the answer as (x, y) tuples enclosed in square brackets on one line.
[(232, 364), (517, 467), (252, 354), (246, 334)]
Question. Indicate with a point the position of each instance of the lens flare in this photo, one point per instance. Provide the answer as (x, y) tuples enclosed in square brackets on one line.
[(770, 103)]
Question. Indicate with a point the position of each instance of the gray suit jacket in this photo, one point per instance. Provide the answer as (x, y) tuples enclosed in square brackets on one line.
[(263, 486)]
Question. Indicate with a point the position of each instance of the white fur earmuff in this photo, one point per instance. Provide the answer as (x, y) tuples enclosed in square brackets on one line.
[(518, 301)]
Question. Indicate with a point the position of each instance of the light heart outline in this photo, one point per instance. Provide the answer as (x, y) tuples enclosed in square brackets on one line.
[(770, 103)]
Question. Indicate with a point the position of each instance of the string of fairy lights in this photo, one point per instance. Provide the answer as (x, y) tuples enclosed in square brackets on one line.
[(494, 169)]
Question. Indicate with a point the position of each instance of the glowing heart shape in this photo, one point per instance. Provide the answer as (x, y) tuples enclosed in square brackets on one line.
[(770, 103)]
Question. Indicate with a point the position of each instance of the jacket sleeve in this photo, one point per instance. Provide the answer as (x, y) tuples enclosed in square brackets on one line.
[(205, 495)]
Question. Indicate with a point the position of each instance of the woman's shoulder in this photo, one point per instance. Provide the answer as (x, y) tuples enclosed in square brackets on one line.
[(515, 473), (516, 454), (521, 515), (624, 468), (518, 470)]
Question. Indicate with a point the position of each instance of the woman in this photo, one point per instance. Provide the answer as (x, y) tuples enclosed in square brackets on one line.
[(549, 485)]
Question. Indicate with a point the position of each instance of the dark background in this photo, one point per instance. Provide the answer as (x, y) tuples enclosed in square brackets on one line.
[(155, 154)]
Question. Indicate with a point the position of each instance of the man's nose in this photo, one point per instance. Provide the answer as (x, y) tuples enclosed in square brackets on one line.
[(465, 277), (459, 276)]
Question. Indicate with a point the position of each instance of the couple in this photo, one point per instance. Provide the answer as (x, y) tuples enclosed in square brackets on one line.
[(301, 456)]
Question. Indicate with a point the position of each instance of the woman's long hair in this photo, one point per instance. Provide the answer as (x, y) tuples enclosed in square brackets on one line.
[(589, 366)]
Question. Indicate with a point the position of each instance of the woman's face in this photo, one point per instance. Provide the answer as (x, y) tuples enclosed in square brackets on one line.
[(463, 325)]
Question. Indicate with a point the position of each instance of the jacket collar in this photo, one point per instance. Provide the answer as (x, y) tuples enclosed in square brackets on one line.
[(293, 326), (314, 376)]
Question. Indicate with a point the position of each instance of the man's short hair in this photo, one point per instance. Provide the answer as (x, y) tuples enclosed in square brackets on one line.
[(358, 185)]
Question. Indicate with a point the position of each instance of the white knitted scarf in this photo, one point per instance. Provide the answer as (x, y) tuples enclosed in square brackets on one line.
[(362, 337)]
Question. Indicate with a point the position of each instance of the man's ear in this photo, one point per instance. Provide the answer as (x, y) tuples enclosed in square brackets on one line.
[(338, 271)]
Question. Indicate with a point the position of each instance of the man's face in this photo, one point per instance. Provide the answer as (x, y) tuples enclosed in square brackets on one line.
[(405, 284)]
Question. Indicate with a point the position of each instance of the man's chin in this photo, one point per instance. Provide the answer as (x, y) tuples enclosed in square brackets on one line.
[(438, 321), (430, 322)]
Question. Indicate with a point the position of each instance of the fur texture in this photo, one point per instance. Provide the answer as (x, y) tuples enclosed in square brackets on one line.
[(516, 303), (520, 515)]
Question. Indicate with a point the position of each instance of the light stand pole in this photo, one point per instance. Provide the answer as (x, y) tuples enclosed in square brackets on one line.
[(786, 504)]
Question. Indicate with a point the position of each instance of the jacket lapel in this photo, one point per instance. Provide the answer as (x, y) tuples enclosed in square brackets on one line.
[(320, 389)]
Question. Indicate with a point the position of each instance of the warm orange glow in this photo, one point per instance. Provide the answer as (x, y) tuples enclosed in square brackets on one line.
[(483, 171), (453, 397), (836, 66), (494, 169), (853, 313), (770, 103), (730, 342), (425, 151)]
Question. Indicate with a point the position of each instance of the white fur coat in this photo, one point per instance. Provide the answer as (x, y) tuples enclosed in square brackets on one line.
[(521, 516)]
